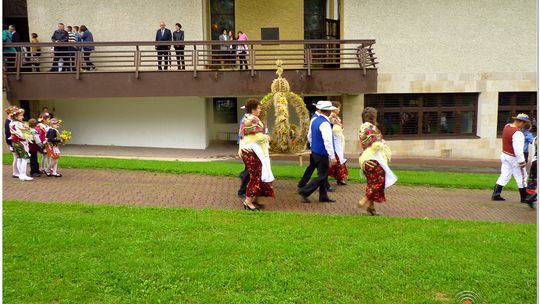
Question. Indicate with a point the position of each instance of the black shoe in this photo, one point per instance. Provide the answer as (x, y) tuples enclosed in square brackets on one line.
[(523, 195), (531, 199), (327, 200), (305, 199), (331, 189), (496, 196), (14, 176), (35, 175)]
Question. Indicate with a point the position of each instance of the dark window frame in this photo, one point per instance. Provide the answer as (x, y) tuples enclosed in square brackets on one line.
[(514, 108), (226, 117), (377, 101)]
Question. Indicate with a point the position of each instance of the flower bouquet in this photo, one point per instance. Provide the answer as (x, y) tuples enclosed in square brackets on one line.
[(65, 135)]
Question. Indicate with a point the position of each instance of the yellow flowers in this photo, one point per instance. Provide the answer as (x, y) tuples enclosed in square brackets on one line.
[(65, 135)]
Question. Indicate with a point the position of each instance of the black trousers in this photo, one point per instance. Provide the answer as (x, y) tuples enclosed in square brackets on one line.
[(244, 177), (242, 60), (60, 53), (163, 53), (34, 164), (309, 172), (180, 57), (322, 164), (86, 57)]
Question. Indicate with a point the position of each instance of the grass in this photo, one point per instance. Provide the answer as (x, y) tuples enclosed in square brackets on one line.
[(75, 253), (414, 178)]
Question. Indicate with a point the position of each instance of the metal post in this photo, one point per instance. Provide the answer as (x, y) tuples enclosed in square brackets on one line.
[(252, 60), (137, 60), (195, 59), (78, 60), (18, 64), (308, 55)]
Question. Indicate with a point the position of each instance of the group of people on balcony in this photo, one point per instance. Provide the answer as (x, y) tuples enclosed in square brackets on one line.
[(230, 52), (27, 139), (63, 56), (326, 142)]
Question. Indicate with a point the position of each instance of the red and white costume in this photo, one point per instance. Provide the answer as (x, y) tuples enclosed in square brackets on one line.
[(513, 142)]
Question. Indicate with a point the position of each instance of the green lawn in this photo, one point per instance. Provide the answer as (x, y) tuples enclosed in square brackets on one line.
[(422, 178), (74, 253)]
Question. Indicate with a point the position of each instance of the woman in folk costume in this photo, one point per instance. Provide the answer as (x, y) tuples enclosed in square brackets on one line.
[(7, 133), (19, 142), (42, 128), (339, 169), (374, 161), (254, 144), (53, 147)]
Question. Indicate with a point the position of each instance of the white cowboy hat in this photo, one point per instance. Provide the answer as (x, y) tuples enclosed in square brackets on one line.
[(325, 105)]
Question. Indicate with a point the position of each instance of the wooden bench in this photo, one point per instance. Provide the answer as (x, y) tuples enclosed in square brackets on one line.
[(299, 154)]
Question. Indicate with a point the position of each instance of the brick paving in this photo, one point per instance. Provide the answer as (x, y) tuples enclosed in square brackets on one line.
[(139, 188)]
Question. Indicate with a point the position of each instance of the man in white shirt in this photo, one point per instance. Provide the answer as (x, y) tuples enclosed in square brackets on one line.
[(311, 167), (512, 158), (322, 153)]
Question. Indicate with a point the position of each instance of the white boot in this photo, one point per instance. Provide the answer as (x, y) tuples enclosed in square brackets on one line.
[(22, 169), (15, 167)]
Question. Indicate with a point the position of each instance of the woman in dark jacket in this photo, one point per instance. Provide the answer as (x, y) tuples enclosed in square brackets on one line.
[(86, 36)]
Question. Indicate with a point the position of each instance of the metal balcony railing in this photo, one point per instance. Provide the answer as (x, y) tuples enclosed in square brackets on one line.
[(187, 56)]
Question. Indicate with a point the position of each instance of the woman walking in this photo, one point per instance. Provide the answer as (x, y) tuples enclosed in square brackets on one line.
[(339, 169), (374, 161), (254, 152)]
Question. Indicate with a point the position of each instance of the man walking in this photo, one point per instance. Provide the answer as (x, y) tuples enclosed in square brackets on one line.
[(311, 167), (512, 158), (322, 153), (163, 34)]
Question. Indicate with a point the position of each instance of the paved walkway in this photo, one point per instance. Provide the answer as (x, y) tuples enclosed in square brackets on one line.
[(229, 151), (139, 188)]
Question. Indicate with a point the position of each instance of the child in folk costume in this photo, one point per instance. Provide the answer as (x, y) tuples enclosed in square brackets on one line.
[(339, 169), (374, 161), (53, 147), (42, 128), (512, 158), (35, 146), (19, 143), (254, 146), (7, 134)]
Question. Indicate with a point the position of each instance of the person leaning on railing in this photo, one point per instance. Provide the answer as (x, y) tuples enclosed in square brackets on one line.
[(87, 36)]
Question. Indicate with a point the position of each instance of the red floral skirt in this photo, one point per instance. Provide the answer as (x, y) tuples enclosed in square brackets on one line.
[(339, 171), (375, 182), (255, 187)]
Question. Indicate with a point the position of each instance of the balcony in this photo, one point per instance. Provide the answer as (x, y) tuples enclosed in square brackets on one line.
[(130, 69)]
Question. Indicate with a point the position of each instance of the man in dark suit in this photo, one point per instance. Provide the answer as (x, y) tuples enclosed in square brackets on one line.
[(163, 34), (15, 36)]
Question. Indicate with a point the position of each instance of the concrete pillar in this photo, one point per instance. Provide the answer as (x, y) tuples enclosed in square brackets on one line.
[(352, 108)]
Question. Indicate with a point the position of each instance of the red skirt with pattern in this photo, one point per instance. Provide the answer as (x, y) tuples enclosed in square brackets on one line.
[(255, 187), (339, 171), (375, 177)]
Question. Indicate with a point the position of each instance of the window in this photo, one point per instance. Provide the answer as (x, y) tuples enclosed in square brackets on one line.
[(221, 17), (225, 110), (421, 115), (513, 103)]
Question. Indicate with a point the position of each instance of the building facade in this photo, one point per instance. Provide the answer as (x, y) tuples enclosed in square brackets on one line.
[(450, 73)]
